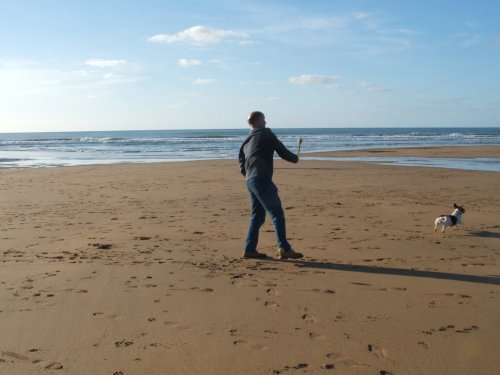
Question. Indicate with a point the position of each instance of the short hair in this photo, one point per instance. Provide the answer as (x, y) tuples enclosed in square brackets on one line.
[(253, 116)]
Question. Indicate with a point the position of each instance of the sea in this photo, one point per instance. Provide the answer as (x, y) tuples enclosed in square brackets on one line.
[(50, 149)]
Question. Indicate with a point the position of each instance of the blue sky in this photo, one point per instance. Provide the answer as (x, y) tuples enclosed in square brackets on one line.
[(118, 65)]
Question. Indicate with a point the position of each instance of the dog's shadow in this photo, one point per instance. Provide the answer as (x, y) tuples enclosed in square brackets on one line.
[(411, 272), (483, 233)]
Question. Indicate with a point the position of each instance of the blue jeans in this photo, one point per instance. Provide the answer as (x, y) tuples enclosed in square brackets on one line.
[(264, 197)]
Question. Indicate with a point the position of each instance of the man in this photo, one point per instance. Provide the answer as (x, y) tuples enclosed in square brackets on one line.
[(256, 164)]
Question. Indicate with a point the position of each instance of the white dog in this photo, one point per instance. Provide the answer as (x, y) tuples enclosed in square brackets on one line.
[(450, 220)]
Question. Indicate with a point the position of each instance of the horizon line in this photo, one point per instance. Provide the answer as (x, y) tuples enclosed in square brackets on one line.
[(272, 127)]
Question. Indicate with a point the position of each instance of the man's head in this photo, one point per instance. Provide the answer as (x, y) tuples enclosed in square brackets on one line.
[(256, 120)]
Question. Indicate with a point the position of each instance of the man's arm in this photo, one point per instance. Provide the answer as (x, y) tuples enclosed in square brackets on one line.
[(241, 159), (283, 152)]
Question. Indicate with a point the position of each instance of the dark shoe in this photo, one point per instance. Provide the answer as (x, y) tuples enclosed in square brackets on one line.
[(282, 254), (254, 255)]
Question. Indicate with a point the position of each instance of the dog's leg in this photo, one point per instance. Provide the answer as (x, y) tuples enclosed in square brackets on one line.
[(437, 222)]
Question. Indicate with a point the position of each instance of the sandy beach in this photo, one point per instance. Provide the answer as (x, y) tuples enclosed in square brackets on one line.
[(137, 269)]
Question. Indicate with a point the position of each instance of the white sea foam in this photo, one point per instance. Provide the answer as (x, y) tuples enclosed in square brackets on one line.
[(80, 148)]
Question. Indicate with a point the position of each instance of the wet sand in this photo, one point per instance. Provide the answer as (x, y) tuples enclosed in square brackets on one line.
[(136, 269), (486, 151)]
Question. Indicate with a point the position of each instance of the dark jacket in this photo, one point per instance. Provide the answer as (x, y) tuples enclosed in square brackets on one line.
[(257, 151)]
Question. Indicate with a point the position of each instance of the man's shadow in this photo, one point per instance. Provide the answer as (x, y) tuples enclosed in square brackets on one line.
[(495, 280)]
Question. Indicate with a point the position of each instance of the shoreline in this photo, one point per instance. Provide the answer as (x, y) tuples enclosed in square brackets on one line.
[(136, 268), (397, 154), (492, 151), (474, 158)]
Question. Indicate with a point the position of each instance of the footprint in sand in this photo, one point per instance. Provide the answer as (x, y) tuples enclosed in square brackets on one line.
[(287, 368), (123, 343), (333, 355), (178, 326), (374, 318), (377, 350), (467, 329), (316, 336), (109, 316), (271, 304), (393, 289), (308, 318), (328, 366), (206, 290), (270, 332), (258, 347), (233, 332), (423, 344), (342, 360), (54, 366), (458, 295), (15, 356), (183, 327), (462, 299), (252, 346)]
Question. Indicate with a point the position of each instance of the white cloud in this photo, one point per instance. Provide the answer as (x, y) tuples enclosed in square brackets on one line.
[(256, 62), (105, 81), (370, 87), (31, 81), (188, 62), (470, 41), (220, 63), (303, 30), (362, 15), (368, 19), (247, 42), (407, 31), (111, 76), (100, 63), (204, 81), (313, 79), (178, 104), (199, 35)]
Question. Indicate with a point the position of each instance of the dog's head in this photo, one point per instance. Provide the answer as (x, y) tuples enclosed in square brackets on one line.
[(457, 207)]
